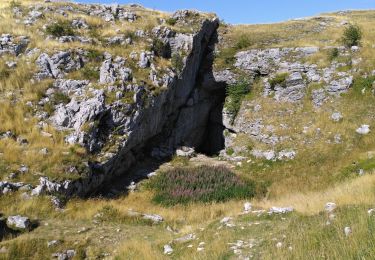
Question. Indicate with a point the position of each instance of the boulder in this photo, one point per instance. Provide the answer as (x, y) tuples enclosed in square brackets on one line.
[(278, 210), (330, 207), (168, 249), (363, 130), (19, 222), (336, 117), (153, 217), (185, 151)]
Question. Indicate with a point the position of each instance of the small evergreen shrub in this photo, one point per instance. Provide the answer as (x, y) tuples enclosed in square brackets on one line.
[(352, 35), (200, 184), (279, 79), (333, 54), (243, 42), (235, 94), (171, 21), (61, 28), (177, 62), (161, 49)]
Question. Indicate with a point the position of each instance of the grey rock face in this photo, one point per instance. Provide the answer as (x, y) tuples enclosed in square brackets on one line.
[(185, 151), (290, 93), (145, 59), (110, 13), (66, 255), (318, 97), (278, 210), (12, 45), (114, 70), (19, 222), (342, 85), (183, 16), (6, 187), (80, 24), (69, 86), (64, 39), (57, 65)]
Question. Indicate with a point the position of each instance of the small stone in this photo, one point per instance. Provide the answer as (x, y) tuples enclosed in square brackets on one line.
[(153, 217), (19, 222), (347, 231), (336, 117), (278, 210), (279, 245), (53, 243), (371, 212), (168, 250), (330, 207), (247, 207), (363, 130)]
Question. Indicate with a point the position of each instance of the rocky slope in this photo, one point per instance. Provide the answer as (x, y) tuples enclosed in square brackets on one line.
[(98, 100)]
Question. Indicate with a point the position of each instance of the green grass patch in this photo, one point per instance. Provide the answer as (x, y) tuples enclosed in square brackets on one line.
[(60, 28), (235, 95), (279, 80)]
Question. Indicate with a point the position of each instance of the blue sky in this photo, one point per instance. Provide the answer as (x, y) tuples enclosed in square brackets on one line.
[(252, 11)]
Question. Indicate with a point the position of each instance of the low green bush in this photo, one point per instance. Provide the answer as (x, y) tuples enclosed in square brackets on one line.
[(279, 79), (200, 184), (60, 28), (352, 35), (177, 62), (333, 54), (235, 94), (171, 21), (243, 42)]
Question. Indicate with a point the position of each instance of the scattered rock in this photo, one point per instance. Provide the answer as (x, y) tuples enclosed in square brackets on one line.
[(19, 222), (168, 250), (330, 207), (153, 217), (336, 117), (347, 231), (363, 130), (278, 210), (185, 151), (247, 207)]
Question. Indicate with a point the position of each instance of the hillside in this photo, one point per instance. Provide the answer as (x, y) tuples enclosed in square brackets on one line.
[(129, 133)]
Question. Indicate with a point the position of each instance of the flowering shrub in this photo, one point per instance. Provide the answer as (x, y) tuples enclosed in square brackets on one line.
[(200, 184)]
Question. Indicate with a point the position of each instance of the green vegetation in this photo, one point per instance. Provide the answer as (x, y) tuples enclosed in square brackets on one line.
[(363, 83), (177, 62), (160, 49), (200, 184), (243, 42), (60, 28), (14, 4), (279, 80), (333, 54), (352, 36), (235, 95), (171, 21)]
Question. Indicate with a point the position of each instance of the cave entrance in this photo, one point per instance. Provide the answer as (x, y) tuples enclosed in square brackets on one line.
[(213, 139)]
